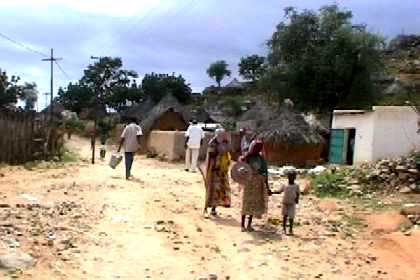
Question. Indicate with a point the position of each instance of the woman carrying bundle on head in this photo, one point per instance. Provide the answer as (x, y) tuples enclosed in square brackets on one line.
[(256, 190)]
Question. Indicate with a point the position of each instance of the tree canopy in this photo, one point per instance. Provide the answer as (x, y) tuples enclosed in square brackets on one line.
[(324, 60), (252, 67), (11, 92), (104, 83), (157, 86), (218, 71)]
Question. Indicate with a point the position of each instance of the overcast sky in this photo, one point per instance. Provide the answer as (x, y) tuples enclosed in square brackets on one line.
[(165, 36)]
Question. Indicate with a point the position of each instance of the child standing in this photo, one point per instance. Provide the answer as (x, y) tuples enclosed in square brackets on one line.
[(290, 199)]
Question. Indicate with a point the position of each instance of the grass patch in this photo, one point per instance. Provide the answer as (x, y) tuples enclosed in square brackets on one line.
[(329, 184), (69, 156), (353, 222)]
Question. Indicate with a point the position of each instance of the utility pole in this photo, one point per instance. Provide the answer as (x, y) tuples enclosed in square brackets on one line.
[(52, 59), (95, 121)]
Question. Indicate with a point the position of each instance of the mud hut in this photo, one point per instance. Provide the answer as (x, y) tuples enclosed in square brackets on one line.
[(259, 113), (166, 115), (290, 140)]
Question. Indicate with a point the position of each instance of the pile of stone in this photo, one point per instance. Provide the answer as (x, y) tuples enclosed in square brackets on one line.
[(32, 230), (387, 175), (412, 212)]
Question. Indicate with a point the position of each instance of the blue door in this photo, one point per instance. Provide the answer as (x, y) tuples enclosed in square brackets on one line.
[(338, 146)]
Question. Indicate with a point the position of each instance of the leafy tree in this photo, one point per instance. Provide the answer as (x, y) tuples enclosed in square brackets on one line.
[(76, 97), (9, 90), (327, 61), (159, 85), (104, 78), (252, 67), (218, 71), (119, 96)]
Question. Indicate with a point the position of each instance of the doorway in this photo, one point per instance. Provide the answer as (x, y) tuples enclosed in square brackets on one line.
[(342, 146), (351, 134)]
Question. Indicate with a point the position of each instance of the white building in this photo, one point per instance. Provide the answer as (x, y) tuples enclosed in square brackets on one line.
[(368, 135)]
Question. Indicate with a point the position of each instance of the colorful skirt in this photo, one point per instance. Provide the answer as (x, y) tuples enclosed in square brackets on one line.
[(255, 198), (218, 189)]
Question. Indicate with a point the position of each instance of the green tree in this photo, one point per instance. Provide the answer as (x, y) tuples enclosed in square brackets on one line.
[(76, 97), (104, 78), (159, 85), (120, 96), (218, 71), (252, 67), (326, 61), (9, 90)]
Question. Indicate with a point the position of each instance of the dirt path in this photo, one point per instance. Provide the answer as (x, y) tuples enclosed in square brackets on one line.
[(152, 228)]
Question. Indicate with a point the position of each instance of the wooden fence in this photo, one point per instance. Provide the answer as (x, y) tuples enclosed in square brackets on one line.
[(18, 135)]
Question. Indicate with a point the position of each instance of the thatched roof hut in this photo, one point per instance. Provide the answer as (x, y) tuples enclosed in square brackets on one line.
[(169, 106), (259, 113), (289, 126), (139, 110), (290, 139)]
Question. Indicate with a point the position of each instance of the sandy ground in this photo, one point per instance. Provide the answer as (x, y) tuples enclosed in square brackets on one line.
[(152, 228)]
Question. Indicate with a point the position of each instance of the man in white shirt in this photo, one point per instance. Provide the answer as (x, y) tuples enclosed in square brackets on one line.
[(194, 138), (130, 138)]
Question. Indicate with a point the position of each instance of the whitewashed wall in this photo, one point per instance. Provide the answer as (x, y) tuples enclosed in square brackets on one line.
[(384, 132), (364, 125), (395, 132)]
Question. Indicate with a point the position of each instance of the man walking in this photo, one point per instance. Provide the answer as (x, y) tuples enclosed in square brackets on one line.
[(130, 138), (194, 139)]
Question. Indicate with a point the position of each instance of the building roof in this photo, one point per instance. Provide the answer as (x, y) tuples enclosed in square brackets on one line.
[(261, 111), (235, 84), (288, 127), (139, 110), (169, 102), (374, 109)]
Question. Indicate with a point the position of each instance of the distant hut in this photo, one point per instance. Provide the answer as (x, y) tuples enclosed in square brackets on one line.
[(166, 115), (139, 110), (290, 139), (256, 116)]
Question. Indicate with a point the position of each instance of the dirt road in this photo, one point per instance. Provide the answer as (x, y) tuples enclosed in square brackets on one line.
[(152, 228)]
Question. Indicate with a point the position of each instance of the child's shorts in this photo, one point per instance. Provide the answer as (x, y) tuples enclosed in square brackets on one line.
[(289, 210)]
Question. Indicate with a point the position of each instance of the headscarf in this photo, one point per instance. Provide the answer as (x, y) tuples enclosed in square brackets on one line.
[(256, 148), (220, 135)]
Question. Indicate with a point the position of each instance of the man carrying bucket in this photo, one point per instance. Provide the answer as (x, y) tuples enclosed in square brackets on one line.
[(130, 138)]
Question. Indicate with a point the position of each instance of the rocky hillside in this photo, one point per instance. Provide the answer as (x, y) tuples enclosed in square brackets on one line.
[(402, 63)]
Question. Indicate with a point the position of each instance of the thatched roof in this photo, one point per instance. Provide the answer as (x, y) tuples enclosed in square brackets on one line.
[(288, 127), (199, 114), (169, 102), (259, 112), (139, 110), (235, 84)]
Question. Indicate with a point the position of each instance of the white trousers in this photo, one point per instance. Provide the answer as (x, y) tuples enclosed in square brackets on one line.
[(191, 158)]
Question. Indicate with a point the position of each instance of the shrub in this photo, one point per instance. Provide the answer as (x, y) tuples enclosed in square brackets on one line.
[(330, 184)]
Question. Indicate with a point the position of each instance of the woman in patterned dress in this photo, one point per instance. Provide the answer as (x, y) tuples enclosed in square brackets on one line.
[(217, 169), (256, 191)]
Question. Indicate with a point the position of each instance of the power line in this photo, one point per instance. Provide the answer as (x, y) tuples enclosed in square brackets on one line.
[(22, 45), (52, 60), (62, 70)]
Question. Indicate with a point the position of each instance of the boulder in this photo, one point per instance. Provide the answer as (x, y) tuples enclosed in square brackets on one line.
[(410, 209), (16, 260)]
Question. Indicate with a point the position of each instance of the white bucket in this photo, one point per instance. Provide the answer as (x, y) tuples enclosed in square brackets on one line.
[(115, 160)]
